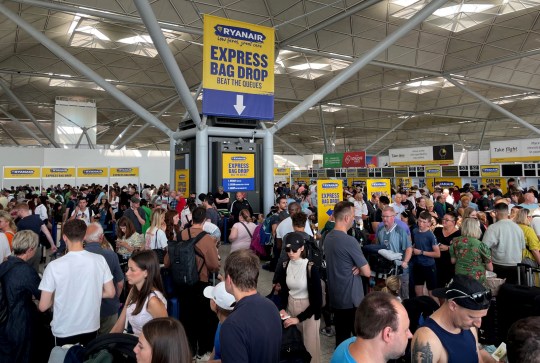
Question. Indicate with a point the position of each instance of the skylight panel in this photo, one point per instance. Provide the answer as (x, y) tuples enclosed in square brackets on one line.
[(460, 15)]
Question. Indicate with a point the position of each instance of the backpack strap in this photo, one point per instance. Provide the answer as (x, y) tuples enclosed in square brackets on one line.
[(195, 241), (247, 229)]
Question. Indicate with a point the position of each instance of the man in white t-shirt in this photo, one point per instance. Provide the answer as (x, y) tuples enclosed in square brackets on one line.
[(82, 211), (78, 281), (286, 226)]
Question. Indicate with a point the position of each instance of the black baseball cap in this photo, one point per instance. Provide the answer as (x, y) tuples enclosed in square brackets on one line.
[(466, 292), (294, 241)]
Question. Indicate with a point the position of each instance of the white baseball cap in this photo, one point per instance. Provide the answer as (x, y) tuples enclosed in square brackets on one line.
[(220, 296)]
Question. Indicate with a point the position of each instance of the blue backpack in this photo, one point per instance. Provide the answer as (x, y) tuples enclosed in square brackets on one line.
[(265, 233)]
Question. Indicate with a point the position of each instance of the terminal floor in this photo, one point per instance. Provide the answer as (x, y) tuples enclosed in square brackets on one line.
[(264, 287)]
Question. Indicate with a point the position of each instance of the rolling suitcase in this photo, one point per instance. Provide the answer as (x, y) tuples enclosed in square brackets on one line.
[(515, 302)]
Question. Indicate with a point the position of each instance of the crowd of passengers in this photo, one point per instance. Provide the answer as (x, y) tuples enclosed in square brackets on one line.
[(97, 258)]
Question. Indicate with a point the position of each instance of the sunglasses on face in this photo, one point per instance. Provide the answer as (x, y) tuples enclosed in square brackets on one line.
[(290, 249), (478, 297)]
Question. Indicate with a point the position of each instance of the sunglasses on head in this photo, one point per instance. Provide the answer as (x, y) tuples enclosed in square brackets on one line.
[(290, 249), (478, 297)]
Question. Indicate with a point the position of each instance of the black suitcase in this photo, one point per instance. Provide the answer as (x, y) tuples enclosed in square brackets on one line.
[(515, 302), (489, 330)]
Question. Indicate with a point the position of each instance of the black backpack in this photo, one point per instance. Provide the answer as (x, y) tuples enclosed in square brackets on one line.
[(183, 257), (314, 253), (4, 306)]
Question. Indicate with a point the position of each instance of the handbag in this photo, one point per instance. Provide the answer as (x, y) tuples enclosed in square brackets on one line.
[(293, 349), (160, 252)]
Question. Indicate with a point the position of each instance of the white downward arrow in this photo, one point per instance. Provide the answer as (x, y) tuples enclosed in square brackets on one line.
[(239, 107)]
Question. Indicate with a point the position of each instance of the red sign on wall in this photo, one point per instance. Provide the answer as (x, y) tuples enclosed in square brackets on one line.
[(356, 159)]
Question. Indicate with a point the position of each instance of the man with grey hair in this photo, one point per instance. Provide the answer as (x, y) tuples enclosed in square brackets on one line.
[(109, 307)]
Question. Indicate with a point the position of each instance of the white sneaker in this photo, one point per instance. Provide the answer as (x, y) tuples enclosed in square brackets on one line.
[(204, 358)]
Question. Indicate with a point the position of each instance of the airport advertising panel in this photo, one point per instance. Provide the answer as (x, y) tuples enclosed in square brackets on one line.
[(59, 172), (97, 172), (426, 155), (124, 172), (18, 172), (182, 182), (238, 172), (515, 150), (382, 186), (329, 192)]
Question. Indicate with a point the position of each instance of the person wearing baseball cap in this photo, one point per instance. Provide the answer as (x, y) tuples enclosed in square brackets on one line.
[(222, 303), (450, 334)]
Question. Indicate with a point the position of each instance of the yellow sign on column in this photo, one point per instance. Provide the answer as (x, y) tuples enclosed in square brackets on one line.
[(29, 172), (329, 192), (182, 182), (381, 186)]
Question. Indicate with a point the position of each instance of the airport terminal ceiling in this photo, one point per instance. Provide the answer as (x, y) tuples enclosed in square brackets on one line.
[(489, 46)]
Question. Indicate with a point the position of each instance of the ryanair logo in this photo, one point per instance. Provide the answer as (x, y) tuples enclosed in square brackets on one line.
[(59, 170), (22, 172), (490, 170), (181, 176), (93, 171), (330, 185), (446, 184), (378, 184), (433, 171), (238, 158), (234, 32), (124, 170)]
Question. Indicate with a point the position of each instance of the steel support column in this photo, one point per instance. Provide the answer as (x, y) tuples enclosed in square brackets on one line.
[(347, 73), (268, 171), (494, 106), (85, 70), (387, 133), (154, 29), (334, 19), (172, 164), (201, 159), (25, 110), (482, 137), (23, 126)]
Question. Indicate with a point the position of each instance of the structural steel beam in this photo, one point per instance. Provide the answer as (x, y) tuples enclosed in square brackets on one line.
[(387, 133), (85, 70), (482, 137), (494, 106), (494, 61), (9, 135), (296, 151), (25, 110), (106, 15), (23, 126), (329, 21), (132, 136), (154, 29), (323, 129), (347, 73)]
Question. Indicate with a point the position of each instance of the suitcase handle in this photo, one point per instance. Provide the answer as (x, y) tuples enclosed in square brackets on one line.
[(534, 269)]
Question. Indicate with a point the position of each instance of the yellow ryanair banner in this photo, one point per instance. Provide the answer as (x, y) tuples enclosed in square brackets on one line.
[(490, 170), (282, 172), (443, 182), (182, 182), (238, 56), (124, 172), (405, 183), (381, 186), (29, 172), (59, 172), (329, 192), (97, 172), (433, 171), (238, 172)]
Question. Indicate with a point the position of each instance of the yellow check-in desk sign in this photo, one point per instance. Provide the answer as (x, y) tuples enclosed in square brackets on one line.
[(381, 186), (58, 172), (329, 192), (124, 172), (182, 182), (97, 172), (29, 172)]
